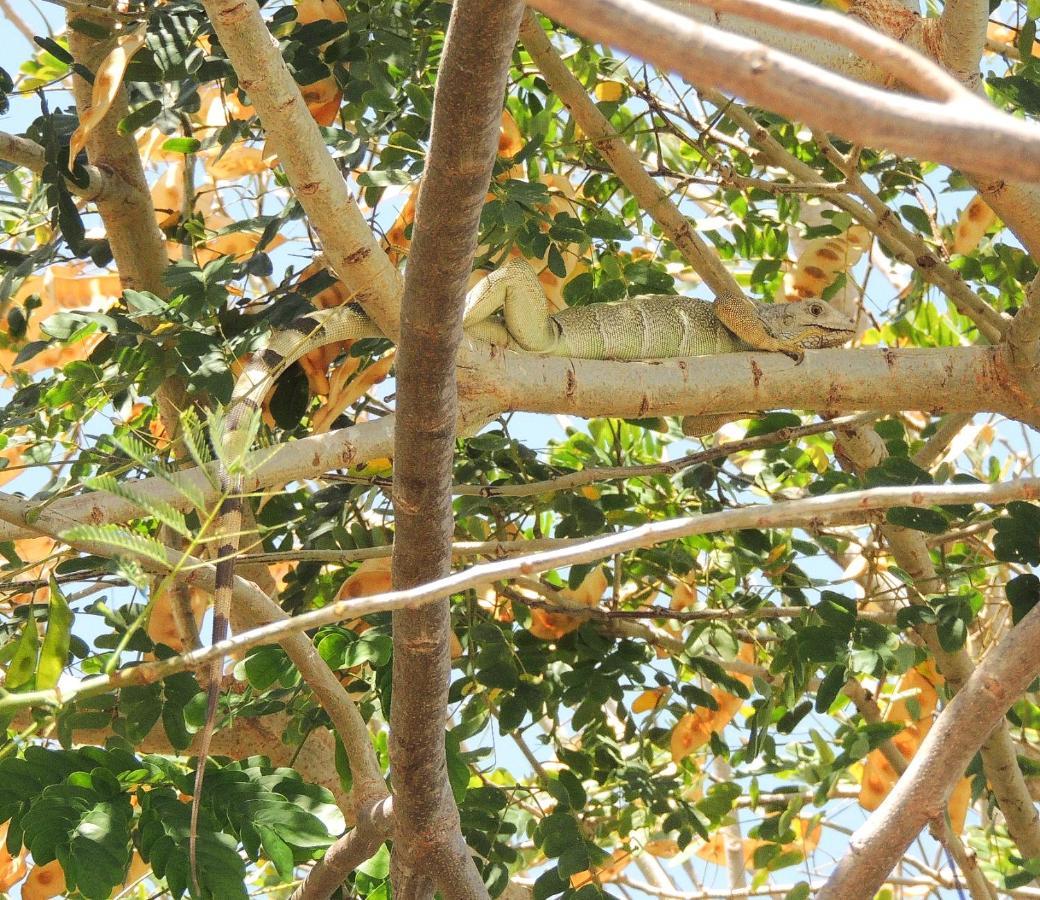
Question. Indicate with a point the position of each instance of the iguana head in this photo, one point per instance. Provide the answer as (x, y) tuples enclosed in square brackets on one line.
[(812, 324)]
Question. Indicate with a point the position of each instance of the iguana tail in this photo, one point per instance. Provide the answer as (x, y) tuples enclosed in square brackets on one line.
[(303, 335)]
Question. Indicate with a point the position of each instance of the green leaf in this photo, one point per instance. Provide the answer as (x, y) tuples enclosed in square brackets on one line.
[(266, 666), (182, 145), (133, 545), (458, 770), (789, 721), (916, 217), (954, 616), (145, 114), (54, 654), (163, 831), (87, 832), (163, 512), (276, 850), (931, 521), (556, 263), (573, 860), (550, 883), (1018, 534), (1023, 593), (895, 471), (54, 49), (22, 667), (144, 303), (830, 687)]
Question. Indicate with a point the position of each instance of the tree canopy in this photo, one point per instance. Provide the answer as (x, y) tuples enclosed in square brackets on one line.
[(510, 624)]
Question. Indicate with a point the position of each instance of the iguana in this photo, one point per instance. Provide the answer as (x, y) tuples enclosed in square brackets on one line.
[(647, 327)]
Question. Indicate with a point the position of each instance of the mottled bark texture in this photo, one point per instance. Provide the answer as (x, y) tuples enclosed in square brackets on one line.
[(428, 844)]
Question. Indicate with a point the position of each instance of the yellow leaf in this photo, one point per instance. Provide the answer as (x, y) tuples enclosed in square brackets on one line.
[(107, 81)]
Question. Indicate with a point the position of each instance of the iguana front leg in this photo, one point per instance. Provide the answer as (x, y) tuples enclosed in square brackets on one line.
[(741, 317)]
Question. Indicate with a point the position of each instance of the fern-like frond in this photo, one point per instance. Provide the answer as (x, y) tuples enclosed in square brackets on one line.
[(141, 453), (232, 447), (193, 434), (161, 511), (118, 539)]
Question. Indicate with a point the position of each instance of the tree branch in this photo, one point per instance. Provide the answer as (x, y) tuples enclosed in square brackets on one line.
[(276, 465), (467, 109), (968, 379), (810, 511), (293, 134), (876, 48), (374, 824), (101, 186), (943, 756), (350, 727), (970, 133)]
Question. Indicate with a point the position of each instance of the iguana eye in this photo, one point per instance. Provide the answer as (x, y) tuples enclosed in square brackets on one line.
[(815, 309)]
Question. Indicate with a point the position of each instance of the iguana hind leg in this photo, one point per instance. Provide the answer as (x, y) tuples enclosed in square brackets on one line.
[(516, 291)]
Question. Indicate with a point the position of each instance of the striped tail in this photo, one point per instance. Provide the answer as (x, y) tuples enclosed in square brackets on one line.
[(304, 334), (230, 523)]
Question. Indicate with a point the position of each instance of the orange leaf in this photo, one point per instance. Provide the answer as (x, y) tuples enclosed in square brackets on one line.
[(609, 871), (341, 397), (550, 626), (648, 700), (308, 11), (665, 848), (12, 868), (371, 577), (510, 141), (107, 81), (591, 589), (683, 596), (44, 882), (973, 223)]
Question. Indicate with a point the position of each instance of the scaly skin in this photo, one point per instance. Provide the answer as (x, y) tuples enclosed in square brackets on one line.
[(648, 327)]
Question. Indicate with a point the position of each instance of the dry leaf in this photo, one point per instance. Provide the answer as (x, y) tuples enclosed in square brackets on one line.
[(44, 882), (822, 260), (972, 224), (371, 577), (609, 871), (107, 81), (648, 700)]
